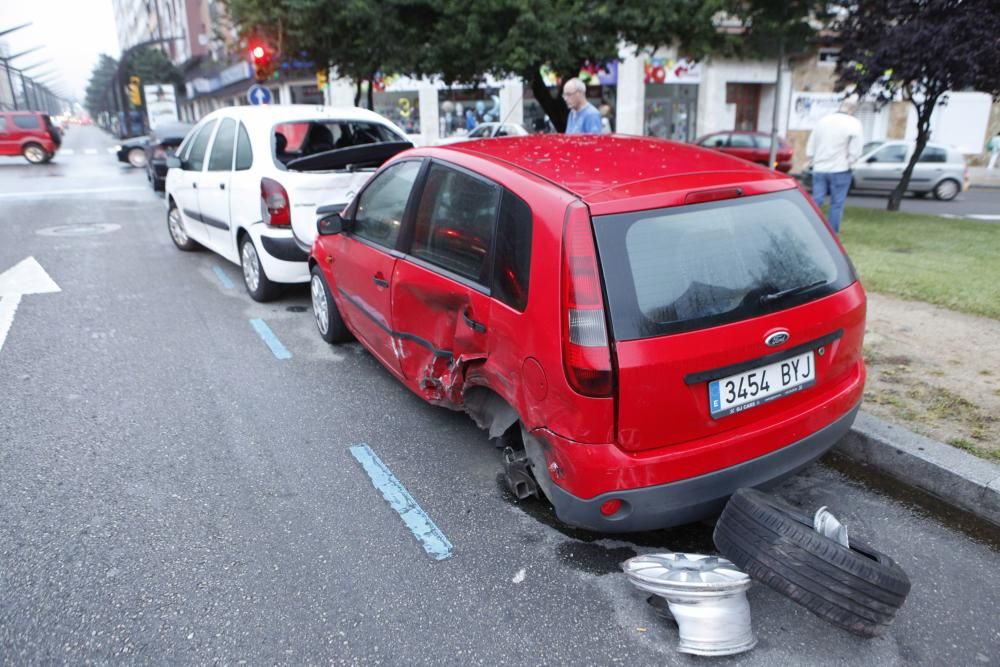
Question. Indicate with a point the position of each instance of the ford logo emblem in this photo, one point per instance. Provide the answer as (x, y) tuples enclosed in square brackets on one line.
[(776, 339)]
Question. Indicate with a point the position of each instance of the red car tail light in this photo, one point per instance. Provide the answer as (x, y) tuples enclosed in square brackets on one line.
[(275, 206), (586, 356)]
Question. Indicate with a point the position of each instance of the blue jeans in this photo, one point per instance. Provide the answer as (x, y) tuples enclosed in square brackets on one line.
[(836, 183)]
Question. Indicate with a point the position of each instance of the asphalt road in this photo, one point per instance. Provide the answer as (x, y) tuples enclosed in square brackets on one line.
[(981, 204), (171, 492)]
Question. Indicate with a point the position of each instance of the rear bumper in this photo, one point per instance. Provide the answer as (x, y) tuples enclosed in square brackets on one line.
[(688, 500)]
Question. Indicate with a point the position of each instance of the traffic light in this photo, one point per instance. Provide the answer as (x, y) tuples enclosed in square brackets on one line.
[(134, 92), (321, 79), (263, 61)]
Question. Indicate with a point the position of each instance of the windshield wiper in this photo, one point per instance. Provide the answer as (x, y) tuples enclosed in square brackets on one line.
[(777, 296)]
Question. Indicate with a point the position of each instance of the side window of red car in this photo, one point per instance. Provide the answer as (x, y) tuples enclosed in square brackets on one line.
[(27, 122), (455, 222), (382, 204), (3, 124), (512, 261), (740, 141)]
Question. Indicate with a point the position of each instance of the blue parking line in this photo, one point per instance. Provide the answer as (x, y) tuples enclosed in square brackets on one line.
[(264, 331), (430, 536), (223, 278)]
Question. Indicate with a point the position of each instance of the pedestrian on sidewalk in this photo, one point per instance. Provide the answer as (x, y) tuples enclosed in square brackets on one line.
[(994, 146), (834, 145), (584, 118)]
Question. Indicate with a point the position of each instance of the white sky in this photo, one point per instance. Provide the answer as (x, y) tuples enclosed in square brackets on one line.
[(73, 32)]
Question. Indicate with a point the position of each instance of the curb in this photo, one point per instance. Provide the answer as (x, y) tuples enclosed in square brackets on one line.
[(952, 475)]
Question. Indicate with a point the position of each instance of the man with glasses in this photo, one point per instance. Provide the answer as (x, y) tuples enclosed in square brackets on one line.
[(584, 118)]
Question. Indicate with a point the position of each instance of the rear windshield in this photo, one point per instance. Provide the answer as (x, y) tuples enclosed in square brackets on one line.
[(292, 141), (690, 267)]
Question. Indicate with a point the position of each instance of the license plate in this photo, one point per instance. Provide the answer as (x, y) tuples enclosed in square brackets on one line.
[(749, 389)]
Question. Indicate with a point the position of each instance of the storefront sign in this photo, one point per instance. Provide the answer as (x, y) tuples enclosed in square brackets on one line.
[(592, 75), (671, 70), (808, 108)]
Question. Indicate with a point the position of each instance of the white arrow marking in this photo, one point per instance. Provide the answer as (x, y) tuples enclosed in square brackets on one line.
[(25, 277)]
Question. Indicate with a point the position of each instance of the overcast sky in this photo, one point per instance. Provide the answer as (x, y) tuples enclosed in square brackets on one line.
[(73, 33)]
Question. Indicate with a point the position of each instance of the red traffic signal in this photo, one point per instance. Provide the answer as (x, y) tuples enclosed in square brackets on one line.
[(263, 61)]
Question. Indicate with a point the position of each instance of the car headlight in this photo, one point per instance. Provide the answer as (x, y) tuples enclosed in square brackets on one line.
[(118, 148)]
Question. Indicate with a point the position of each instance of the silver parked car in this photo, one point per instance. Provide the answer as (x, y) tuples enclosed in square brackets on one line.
[(940, 170)]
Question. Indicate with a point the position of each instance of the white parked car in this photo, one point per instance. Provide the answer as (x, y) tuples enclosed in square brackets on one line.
[(247, 181), (487, 131)]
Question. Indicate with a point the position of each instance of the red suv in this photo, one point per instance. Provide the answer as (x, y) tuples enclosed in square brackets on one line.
[(752, 146), (30, 134), (648, 325)]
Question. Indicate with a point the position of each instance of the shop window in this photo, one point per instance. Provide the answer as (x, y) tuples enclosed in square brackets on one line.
[(671, 110), (461, 110), (306, 94), (402, 108)]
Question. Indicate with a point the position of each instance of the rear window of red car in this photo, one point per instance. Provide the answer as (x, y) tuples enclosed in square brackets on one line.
[(691, 267)]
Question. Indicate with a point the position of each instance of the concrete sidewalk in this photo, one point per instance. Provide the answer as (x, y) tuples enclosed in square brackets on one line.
[(981, 177)]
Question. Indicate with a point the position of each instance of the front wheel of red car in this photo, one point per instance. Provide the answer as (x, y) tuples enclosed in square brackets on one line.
[(331, 326), (35, 154)]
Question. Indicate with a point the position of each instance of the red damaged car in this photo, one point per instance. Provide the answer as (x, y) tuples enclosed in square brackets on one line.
[(649, 326)]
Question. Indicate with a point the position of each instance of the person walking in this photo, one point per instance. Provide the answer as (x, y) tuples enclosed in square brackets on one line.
[(994, 147), (834, 145), (584, 118)]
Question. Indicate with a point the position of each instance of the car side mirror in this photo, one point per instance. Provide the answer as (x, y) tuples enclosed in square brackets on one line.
[(174, 162), (330, 224), (871, 159)]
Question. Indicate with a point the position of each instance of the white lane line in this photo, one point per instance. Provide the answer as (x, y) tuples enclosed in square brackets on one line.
[(112, 150), (90, 151), (67, 151), (64, 193)]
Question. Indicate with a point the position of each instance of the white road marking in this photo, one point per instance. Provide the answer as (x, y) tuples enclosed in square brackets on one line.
[(25, 277), (61, 193), (519, 577), (112, 150), (67, 151), (90, 151), (983, 216)]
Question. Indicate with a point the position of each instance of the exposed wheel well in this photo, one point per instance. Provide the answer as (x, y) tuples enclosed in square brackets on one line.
[(489, 410)]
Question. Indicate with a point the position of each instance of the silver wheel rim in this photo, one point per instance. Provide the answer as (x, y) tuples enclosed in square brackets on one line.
[(34, 154), (137, 158), (321, 309), (176, 227), (251, 266), (947, 190)]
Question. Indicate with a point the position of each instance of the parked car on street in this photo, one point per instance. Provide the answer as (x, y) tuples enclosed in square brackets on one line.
[(487, 131), (163, 141), (246, 183), (647, 325), (30, 134), (941, 170), (133, 151), (752, 146)]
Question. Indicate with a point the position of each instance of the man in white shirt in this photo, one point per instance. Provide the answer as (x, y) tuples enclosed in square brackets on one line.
[(833, 146)]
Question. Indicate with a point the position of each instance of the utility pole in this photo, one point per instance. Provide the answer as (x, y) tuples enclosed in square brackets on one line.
[(772, 155)]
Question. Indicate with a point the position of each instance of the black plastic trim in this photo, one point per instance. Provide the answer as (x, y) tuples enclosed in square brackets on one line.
[(215, 222), (444, 354), (725, 371), (287, 249)]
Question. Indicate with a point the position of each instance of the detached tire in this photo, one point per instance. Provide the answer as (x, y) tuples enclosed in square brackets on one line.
[(857, 589)]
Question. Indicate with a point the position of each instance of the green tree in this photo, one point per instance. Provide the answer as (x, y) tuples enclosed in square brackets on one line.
[(152, 66), (100, 89), (918, 50)]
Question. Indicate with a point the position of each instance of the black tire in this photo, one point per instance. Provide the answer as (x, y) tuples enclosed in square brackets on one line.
[(857, 589), (35, 154), (259, 286), (328, 320), (159, 184), (921, 195), (947, 189), (178, 234)]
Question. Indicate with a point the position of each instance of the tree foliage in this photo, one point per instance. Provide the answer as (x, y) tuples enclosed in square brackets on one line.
[(918, 50), (462, 42), (100, 95), (152, 66)]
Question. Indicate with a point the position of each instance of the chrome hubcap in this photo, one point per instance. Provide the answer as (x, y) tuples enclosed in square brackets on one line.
[(320, 307), (34, 154), (137, 158), (251, 267), (947, 190), (177, 227)]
